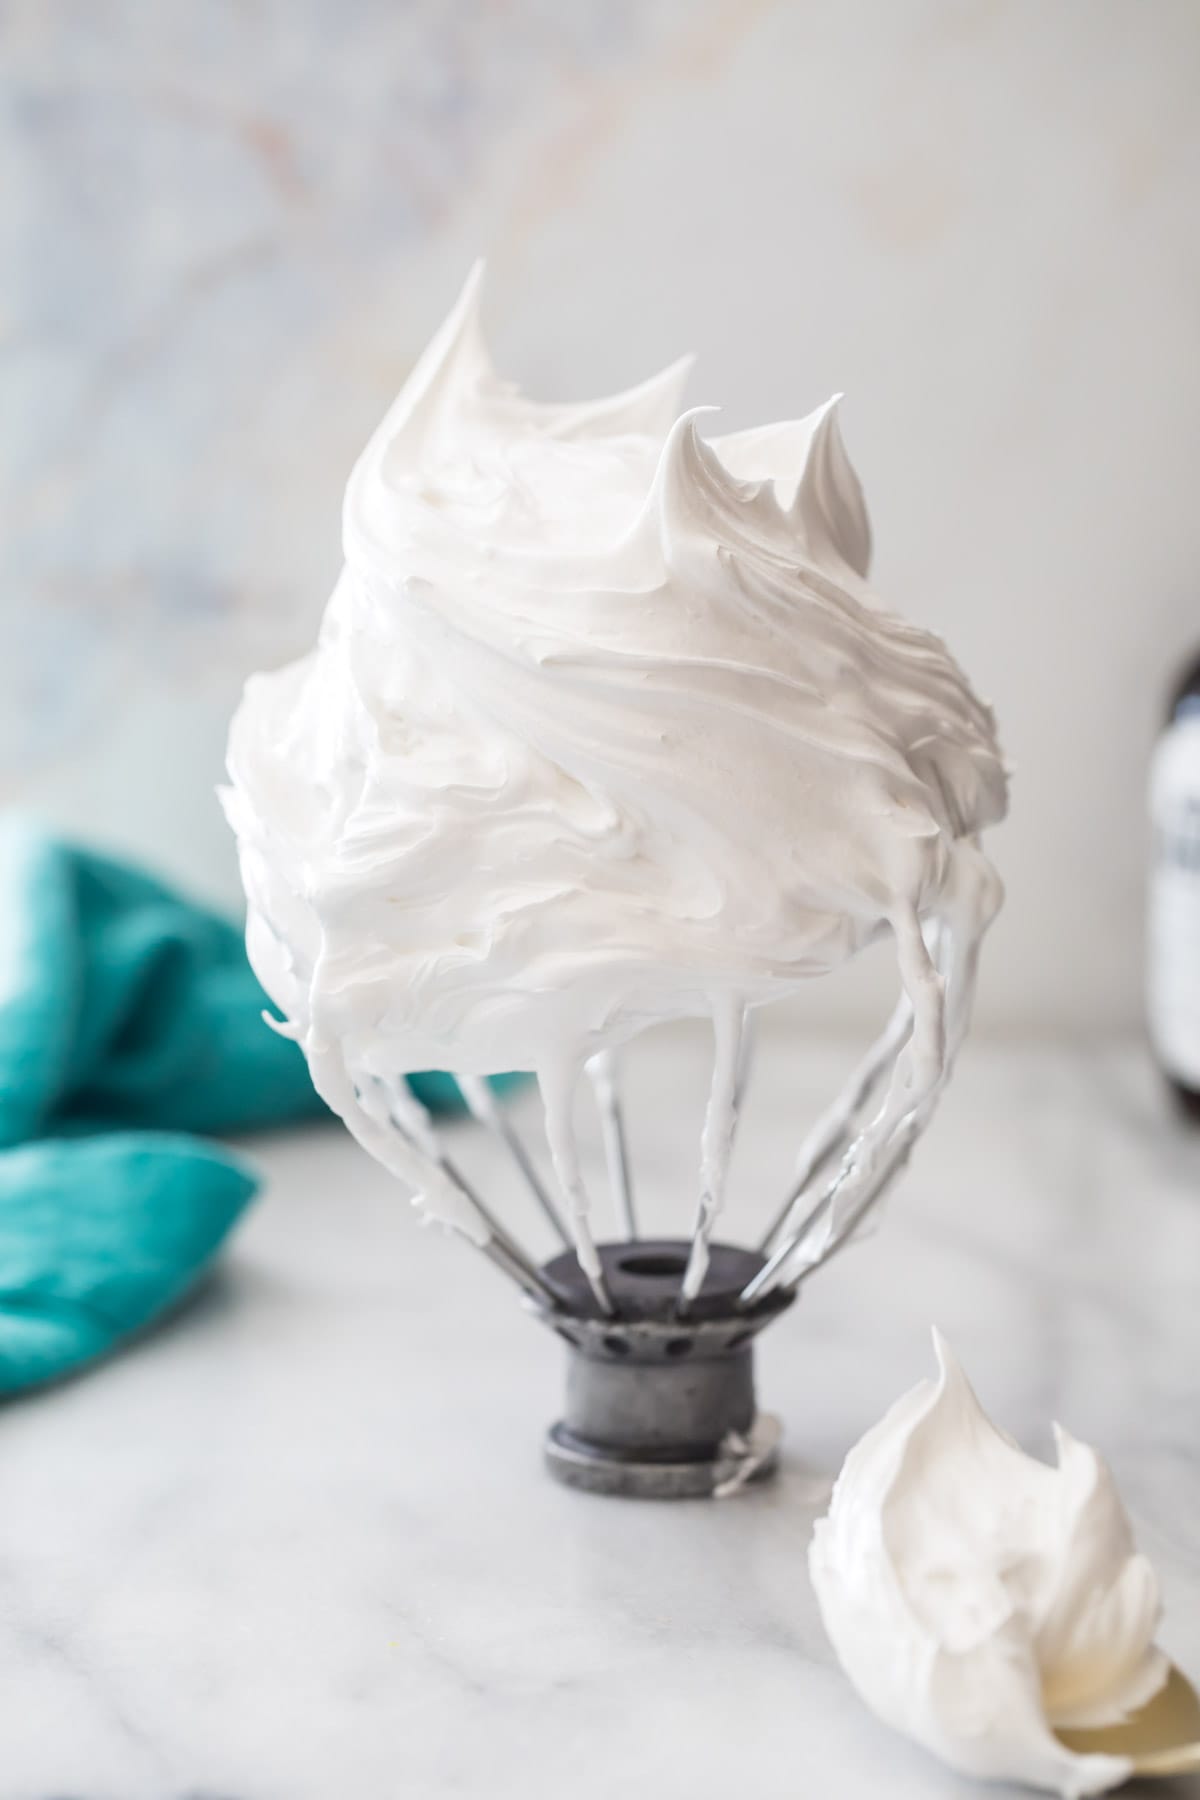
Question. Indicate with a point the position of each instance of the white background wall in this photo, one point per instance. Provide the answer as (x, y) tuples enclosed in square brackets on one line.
[(228, 231)]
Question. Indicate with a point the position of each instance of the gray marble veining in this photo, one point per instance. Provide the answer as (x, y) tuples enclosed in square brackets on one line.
[(297, 1545)]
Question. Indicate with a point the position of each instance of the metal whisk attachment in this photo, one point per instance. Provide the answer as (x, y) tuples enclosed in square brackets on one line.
[(660, 1389)]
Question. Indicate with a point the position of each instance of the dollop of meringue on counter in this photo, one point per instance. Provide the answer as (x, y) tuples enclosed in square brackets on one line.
[(978, 1599), (604, 726)]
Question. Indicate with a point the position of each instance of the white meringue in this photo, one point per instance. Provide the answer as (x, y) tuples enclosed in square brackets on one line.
[(604, 727), (979, 1599)]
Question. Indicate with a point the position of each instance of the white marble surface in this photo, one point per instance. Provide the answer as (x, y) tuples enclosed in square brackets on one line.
[(298, 1545)]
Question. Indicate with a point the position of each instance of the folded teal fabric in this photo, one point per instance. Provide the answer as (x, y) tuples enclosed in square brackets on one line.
[(123, 1004), (98, 1236), (130, 1021)]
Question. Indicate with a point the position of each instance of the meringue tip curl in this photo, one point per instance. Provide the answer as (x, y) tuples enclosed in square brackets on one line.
[(686, 469), (458, 352), (649, 408), (807, 464), (438, 375), (829, 498), (948, 1365), (466, 310)]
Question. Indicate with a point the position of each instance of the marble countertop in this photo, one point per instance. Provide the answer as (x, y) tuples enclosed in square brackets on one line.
[(298, 1544)]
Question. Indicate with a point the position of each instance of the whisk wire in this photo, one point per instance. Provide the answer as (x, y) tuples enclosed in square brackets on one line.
[(716, 1139), (486, 1109), (835, 1128), (794, 1253), (858, 1217), (412, 1122), (603, 1075)]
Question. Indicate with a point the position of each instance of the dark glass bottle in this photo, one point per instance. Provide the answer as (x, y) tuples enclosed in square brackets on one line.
[(1173, 923)]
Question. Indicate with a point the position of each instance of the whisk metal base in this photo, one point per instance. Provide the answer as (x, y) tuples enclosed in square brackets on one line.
[(598, 1471), (657, 1405)]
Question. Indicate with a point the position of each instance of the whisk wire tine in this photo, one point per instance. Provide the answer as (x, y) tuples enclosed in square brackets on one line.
[(897, 1150), (717, 1138), (485, 1108), (497, 1253), (558, 1084), (533, 1180), (860, 1213), (745, 1066), (603, 1075), (765, 1279), (411, 1120), (834, 1129), (892, 1163), (500, 1235), (795, 1193), (741, 1081)]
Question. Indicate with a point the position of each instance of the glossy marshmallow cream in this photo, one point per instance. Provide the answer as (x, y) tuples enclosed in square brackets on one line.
[(604, 726), (979, 1599)]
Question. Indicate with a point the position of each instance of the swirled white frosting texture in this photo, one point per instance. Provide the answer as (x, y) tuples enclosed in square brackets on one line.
[(978, 1599), (604, 726)]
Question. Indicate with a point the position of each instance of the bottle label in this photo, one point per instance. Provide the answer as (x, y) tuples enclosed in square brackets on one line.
[(1173, 924)]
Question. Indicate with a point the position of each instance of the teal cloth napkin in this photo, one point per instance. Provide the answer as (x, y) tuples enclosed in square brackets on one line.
[(130, 1022)]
